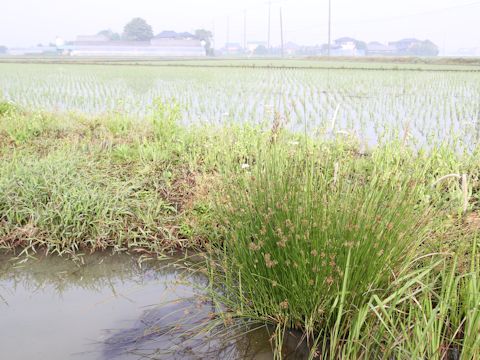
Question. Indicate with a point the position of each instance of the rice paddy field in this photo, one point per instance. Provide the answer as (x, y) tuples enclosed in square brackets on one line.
[(370, 103), (336, 205)]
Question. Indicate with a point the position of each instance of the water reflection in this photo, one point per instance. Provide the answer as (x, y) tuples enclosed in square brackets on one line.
[(114, 307), (181, 330), (95, 272), (107, 308)]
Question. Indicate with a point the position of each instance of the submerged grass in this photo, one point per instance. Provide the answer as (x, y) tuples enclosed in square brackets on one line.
[(361, 252)]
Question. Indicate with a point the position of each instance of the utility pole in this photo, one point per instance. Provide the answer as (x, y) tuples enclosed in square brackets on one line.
[(281, 32), (329, 26), (213, 35), (228, 33), (269, 18), (245, 29)]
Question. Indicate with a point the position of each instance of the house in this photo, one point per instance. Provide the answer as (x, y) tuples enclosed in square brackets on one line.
[(378, 49), (180, 44), (88, 39), (405, 46), (346, 42), (341, 50), (347, 46), (165, 44)]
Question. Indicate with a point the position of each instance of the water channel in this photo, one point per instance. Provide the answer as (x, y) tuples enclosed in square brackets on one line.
[(113, 307)]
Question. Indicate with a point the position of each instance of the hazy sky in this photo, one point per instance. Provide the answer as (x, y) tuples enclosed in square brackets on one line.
[(452, 24)]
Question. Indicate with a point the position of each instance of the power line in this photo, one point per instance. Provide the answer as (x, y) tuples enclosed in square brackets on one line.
[(339, 22), (399, 17), (352, 22)]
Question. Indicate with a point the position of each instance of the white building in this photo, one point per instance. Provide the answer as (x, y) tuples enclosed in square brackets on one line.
[(166, 44)]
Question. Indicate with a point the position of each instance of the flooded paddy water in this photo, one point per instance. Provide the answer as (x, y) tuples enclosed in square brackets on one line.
[(370, 104), (108, 308)]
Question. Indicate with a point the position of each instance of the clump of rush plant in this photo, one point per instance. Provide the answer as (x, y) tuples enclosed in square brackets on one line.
[(311, 236)]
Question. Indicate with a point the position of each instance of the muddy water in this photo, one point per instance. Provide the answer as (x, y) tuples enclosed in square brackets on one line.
[(107, 308)]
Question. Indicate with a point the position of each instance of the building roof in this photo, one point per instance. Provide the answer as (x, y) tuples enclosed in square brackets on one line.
[(345, 39), (92, 38), (187, 35), (167, 34), (112, 43), (150, 51), (170, 34), (176, 42)]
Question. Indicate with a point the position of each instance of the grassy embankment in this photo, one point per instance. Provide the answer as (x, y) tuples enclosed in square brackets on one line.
[(69, 183), (359, 252), (310, 62)]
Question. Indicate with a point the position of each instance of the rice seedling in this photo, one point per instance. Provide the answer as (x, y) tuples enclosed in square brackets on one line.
[(368, 102)]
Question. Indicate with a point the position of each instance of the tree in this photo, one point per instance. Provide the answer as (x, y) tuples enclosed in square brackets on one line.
[(361, 45), (206, 36), (3, 49), (414, 47), (112, 36), (137, 30), (261, 50), (425, 48)]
